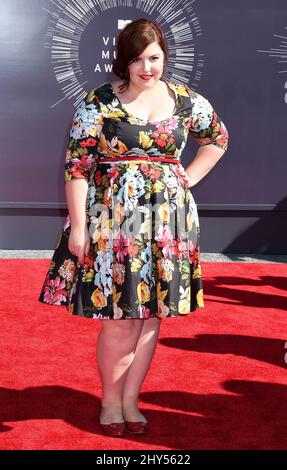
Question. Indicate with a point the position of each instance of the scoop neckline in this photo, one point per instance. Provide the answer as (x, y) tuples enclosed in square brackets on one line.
[(148, 121)]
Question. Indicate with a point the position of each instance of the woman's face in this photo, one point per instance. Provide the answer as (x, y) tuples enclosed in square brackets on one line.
[(147, 68)]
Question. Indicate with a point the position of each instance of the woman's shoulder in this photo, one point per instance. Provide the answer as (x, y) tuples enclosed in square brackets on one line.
[(101, 88), (184, 90), (100, 94), (192, 96), (190, 101)]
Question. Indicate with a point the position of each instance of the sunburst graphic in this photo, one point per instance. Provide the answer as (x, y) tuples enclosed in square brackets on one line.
[(81, 36), (280, 54)]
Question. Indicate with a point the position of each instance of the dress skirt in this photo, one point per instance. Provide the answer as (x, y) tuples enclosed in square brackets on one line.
[(144, 256)]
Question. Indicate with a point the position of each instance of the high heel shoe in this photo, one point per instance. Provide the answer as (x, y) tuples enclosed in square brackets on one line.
[(136, 427), (114, 429)]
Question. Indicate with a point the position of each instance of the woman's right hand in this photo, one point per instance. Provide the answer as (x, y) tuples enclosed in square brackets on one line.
[(79, 242)]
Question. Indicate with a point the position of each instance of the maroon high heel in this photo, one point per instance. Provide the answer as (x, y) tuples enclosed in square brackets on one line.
[(114, 429), (136, 427)]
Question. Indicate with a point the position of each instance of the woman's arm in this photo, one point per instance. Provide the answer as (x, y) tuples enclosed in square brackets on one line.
[(209, 132), (79, 168), (205, 159), (76, 196), (80, 156)]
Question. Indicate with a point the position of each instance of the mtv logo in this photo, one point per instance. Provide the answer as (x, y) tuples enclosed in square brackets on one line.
[(123, 23)]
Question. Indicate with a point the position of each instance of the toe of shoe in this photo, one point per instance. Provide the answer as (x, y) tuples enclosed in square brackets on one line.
[(136, 427), (114, 429)]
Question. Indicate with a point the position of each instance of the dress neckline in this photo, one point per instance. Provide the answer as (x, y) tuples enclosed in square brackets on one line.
[(148, 121)]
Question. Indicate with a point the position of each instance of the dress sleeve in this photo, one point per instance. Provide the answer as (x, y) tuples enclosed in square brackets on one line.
[(204, 123), (84, 137)]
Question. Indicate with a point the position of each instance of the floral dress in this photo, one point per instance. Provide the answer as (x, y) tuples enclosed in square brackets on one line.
[(144, 255)]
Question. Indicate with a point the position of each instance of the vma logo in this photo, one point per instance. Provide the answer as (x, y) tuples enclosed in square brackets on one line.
[(81, 39)]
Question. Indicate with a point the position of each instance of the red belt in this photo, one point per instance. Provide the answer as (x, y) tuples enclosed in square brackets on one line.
[(144, 157)]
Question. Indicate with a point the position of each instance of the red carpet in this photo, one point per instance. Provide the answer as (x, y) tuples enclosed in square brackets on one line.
[(218, 378)]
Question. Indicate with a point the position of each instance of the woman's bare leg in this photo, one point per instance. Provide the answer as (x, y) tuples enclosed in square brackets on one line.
[(145, 349), (116, 346)]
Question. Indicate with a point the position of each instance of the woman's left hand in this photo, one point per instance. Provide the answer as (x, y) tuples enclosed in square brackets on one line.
[(188, 179)]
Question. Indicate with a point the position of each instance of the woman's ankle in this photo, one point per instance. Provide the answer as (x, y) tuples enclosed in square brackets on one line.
[(130, 401), (111, 404), (111, 413)]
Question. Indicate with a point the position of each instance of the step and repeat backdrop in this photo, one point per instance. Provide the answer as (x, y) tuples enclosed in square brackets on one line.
[(233, 53)]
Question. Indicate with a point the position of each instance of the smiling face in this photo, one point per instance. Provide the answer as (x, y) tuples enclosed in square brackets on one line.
[(146, 69)]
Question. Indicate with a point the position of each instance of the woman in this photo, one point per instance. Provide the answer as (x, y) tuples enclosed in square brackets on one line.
[(123, 170)]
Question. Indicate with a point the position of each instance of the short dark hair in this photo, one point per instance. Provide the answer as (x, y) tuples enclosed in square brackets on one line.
[(132, 41)]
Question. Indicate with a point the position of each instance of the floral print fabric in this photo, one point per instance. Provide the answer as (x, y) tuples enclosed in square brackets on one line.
[(144, 257)]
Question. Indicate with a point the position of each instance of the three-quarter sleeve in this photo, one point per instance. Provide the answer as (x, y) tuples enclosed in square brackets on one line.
[(204, 124), (84, 137)]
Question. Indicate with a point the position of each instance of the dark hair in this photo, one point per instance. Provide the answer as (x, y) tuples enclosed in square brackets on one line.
[(132, 41)]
